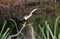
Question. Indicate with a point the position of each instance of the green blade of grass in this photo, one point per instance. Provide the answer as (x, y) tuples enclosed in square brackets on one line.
[(59, 36), (47, 26), (42, 31), (55, 27), (47, 32), (3, 27), (14, 23), (5, 33), (33, 36)]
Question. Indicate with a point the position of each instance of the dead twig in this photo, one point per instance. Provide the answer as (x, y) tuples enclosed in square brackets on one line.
[(18, 32)]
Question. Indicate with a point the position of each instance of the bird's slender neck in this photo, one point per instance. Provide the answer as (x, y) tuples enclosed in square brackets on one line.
[(26, 17)]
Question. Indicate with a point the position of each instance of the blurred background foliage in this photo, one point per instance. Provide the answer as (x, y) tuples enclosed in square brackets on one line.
[(48, 10)]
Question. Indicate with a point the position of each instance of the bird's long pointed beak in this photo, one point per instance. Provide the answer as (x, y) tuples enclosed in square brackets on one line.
[(26, 17)]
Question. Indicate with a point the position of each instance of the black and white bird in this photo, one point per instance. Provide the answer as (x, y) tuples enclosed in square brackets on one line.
[(25, 18), (22, 21)]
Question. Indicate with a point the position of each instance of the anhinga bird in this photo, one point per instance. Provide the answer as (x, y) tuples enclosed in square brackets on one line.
[(22, 21)]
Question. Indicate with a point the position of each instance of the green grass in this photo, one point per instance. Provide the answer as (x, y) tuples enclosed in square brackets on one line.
[(47, 27), (4, 35), (46, 32), (44, 27)]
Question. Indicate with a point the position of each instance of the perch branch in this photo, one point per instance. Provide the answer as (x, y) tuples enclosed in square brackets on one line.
[(17, 33)]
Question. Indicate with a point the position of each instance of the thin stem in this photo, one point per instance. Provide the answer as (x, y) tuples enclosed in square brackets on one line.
[(14, 23), (3, 27), (47, 26), (55, 28), (42, 31), (15, 34)]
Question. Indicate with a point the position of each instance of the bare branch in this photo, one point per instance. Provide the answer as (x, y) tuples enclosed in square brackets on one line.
[(17, 33)]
